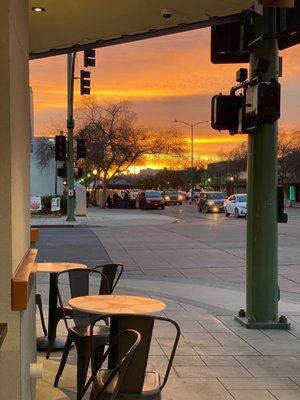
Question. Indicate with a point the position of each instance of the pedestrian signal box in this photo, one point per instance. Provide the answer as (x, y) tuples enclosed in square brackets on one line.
[(262, 104), (225, 112)]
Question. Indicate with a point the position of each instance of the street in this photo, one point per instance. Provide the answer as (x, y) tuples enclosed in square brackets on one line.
[(199, 249)]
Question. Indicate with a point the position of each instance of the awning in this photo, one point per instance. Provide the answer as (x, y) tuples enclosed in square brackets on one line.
[(70, 25)]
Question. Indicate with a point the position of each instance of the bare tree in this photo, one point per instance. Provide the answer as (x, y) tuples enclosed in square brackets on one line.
[(288, 159), (237, 158), (44, 151), (114, 142)]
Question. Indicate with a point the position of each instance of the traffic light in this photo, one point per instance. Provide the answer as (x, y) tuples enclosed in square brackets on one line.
[(62, 172), (81, 148), (229, 42), (85, 83), (78, 172), (281, 215), (60, 148), (89, 58)]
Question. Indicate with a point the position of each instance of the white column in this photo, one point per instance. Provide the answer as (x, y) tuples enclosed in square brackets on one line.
[(18, 349)]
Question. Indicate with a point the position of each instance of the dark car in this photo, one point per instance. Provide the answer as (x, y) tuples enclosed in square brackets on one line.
[(211, 202), (150, 199), (172, 196)]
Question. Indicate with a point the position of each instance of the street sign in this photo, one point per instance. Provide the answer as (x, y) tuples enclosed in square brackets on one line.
[(292, 193), (55, 204), (35, 203)]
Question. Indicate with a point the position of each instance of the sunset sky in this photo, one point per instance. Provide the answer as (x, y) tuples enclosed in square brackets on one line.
[(165, 78)]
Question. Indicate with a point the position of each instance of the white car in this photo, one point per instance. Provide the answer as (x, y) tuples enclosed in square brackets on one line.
[(236, 205)]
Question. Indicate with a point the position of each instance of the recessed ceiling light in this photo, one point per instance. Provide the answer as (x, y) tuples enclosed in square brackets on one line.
[(38, 9)]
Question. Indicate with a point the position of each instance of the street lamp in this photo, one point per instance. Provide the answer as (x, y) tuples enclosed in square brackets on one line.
[(192, 148)]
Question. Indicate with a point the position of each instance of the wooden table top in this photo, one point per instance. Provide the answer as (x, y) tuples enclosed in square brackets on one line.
[(116, 304), (55, 267)]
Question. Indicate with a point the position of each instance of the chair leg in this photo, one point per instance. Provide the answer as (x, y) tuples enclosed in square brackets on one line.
[(63, 361), (97, 357), (83, 360), (38, 300)]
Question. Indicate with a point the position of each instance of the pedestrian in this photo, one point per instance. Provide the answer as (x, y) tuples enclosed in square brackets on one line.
[(116, 200), (109, 202), (126, 199)]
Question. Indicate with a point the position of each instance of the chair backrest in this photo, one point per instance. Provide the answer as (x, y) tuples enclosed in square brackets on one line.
[(120, 371), (144, 324), (113, 273), (75, 283)]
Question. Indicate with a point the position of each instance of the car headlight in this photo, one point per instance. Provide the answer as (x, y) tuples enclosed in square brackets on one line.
[(210, 203), (167, 198)]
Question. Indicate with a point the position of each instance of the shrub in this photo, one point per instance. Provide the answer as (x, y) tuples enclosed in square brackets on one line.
[(46, 205)]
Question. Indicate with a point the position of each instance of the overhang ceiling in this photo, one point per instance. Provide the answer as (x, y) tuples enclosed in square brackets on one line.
[(69, 25)]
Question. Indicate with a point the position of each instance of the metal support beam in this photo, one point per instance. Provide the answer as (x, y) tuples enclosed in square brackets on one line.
[(262, 246), (70, 127)]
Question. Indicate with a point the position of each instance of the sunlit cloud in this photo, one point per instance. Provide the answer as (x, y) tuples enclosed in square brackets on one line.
[(165, 78)]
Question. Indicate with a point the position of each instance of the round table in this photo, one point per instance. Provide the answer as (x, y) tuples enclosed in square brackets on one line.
[(116, 304), (130, 314), (53, 269)]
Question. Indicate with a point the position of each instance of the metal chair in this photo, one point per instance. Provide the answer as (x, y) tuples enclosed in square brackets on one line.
[(138, 383), (38, 302), (112, 273), (118, 374), (82, 282)]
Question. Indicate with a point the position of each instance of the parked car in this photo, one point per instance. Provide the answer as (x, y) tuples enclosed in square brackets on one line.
[(172, 196), (184, 194), (236, 205), (150, 199), (211, 202), (195, 195)]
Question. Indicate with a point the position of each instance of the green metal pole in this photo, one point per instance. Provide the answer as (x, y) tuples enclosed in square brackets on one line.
[(262, 246), (70, 128)]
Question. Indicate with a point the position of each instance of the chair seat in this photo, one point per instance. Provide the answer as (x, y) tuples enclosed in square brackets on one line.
[(68, 310), (151, 388), (99, 330)]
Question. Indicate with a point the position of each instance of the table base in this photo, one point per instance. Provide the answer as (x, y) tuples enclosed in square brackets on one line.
[(58, 344)]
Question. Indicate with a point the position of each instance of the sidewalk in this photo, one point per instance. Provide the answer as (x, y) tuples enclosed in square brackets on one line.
[(216, 359), (97, 217)]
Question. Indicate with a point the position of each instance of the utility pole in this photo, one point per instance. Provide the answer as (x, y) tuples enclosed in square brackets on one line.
[(70, 127), (262, 235)]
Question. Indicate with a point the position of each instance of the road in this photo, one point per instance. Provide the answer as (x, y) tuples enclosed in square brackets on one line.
[(201, 249)]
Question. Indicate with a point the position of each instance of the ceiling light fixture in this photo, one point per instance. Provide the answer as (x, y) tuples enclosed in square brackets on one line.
[(38, 9)]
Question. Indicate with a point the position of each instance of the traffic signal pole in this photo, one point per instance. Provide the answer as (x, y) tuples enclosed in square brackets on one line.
[(262, 235), (70, 127)]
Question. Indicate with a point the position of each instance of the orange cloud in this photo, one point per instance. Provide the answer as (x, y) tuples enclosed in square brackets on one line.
[(165, 78)]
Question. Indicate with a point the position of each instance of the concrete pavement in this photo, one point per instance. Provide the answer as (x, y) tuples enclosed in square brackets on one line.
[(198, 268), (98, 217)]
